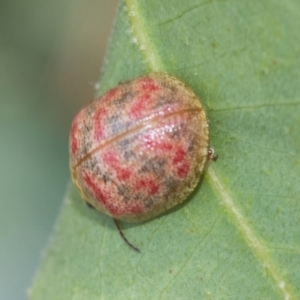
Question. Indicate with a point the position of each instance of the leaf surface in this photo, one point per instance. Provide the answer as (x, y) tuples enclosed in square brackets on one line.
[(238, 235)]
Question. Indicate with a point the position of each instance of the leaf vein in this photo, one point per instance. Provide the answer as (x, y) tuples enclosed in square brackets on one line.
[(258, 106), (250, 236), (179, 16), (141, 36), (154, 63), (190, 257), (284, 152)]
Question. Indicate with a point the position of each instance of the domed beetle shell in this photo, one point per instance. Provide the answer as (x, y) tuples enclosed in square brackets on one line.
[(139, 149)]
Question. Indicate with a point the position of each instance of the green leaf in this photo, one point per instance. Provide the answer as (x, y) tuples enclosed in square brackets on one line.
[(238, 235)]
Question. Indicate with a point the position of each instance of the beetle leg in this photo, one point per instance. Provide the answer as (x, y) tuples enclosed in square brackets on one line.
[(124, 238)]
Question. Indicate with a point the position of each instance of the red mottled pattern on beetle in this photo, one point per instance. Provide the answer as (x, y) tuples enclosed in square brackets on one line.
[(99, 123), (112, 161), (147, 84), (104, 197), (140, 148)]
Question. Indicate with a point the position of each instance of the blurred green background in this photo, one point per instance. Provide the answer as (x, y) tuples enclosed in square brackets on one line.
[(50, 58)]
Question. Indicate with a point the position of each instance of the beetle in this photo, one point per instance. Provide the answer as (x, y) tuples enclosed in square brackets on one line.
[(141, 148)]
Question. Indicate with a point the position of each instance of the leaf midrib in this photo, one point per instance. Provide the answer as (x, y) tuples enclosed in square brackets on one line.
[(154, 63)]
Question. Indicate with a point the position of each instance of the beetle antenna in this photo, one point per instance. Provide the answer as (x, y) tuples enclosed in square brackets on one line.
[(124, 237)]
